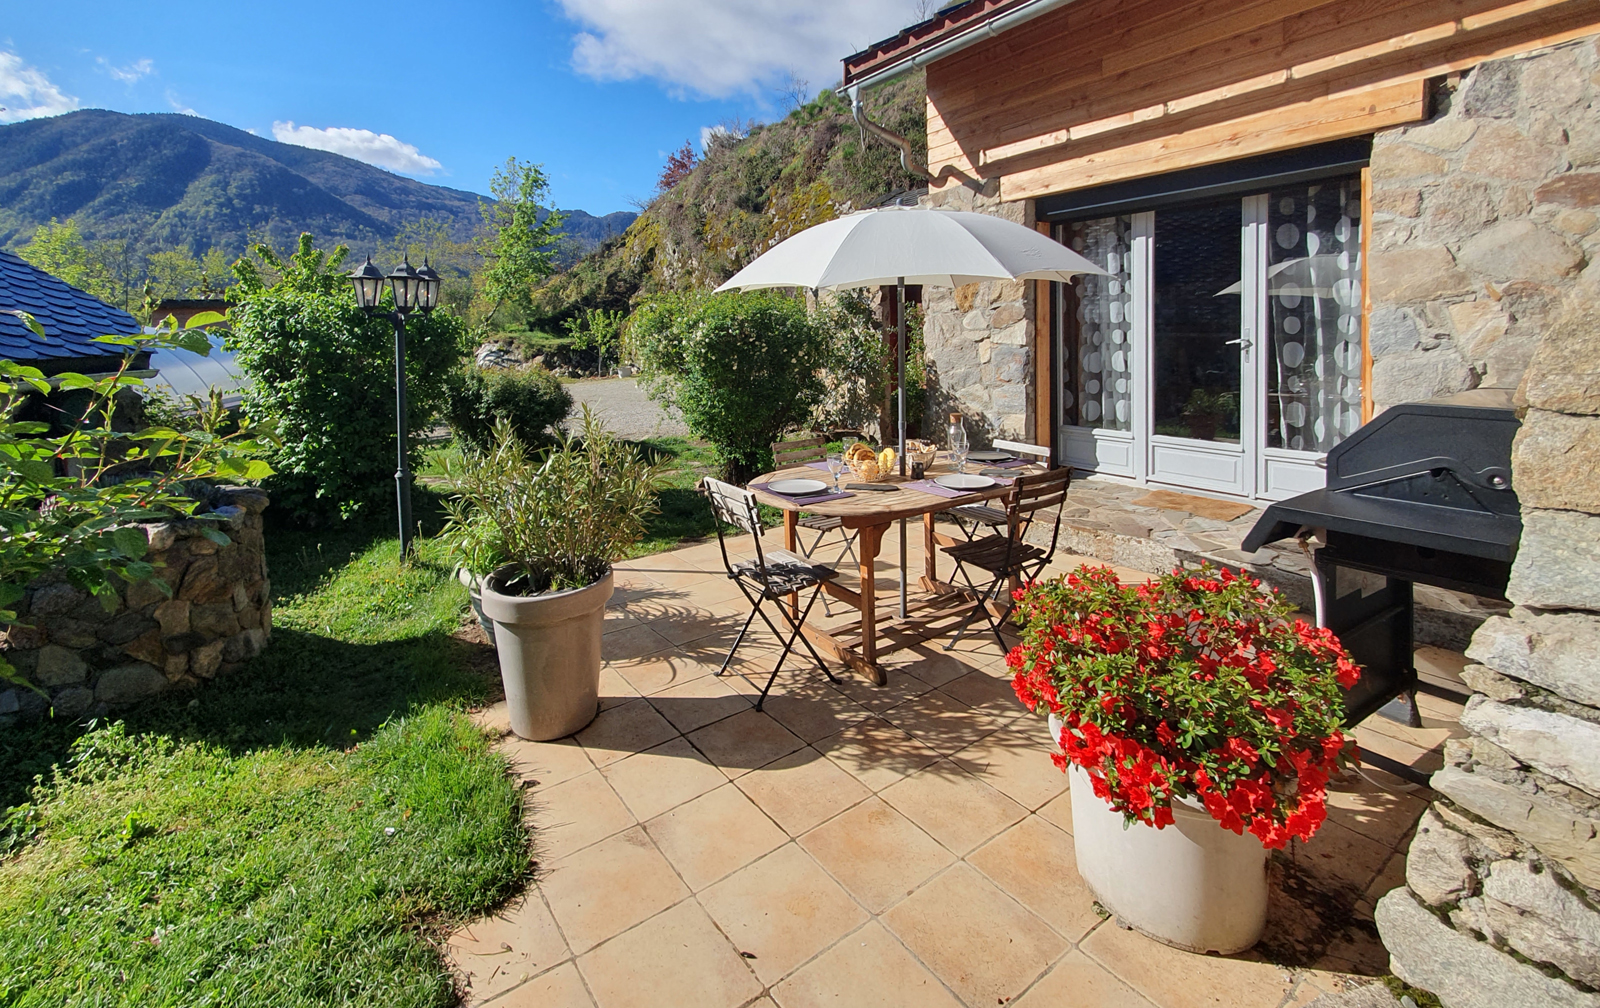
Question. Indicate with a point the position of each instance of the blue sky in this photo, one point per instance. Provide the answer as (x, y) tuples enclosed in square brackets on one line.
[(597, 90)]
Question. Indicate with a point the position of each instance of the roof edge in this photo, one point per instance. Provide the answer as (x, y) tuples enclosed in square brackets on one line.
[(948, 32)]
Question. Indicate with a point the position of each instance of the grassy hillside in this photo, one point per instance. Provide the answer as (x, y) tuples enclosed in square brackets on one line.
[(745, 195), (175, 181)]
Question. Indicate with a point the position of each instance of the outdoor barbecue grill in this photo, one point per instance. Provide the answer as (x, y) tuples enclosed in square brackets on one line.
[(1422, 494)]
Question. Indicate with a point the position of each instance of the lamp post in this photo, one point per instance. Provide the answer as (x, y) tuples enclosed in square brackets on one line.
[(414, 290)]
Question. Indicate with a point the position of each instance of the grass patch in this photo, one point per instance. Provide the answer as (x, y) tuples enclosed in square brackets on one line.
[(684, 512), (231, 846)]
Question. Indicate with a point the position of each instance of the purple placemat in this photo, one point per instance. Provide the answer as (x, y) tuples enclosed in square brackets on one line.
[(803, 498)]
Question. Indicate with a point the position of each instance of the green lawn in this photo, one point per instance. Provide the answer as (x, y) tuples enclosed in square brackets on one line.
[(288, 835)]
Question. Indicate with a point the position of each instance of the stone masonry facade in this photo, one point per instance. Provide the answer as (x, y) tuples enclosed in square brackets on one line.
[(208, 611), (1501, 904), (1483, 220), (980, 340)]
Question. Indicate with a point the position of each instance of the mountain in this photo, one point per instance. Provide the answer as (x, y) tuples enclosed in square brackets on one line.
[(166, 180)]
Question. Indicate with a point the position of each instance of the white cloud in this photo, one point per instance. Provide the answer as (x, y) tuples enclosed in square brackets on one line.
[(379, 149), (130, 73), (26, 93), (179, 107), (719, 48)]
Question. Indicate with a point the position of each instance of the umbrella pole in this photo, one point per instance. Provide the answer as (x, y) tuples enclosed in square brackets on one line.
[(900, 410)]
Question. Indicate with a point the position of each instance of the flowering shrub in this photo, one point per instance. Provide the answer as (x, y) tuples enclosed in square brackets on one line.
[(1198, 685)]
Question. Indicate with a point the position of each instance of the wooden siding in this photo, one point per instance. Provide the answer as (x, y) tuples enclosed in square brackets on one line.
[(1104, 90)]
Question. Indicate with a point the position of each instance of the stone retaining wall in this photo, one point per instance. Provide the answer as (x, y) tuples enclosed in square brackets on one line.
[(1502, 899), (91, 659)]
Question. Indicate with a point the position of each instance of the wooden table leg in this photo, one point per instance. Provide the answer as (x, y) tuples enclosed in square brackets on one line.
[(791, 542), (870, 542), (931, 546)]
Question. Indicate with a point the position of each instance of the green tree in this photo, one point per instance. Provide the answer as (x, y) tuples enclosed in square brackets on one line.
[(323, 369), (174, 274), (598, 330), (518, 246), (741, 368), (59, 249), (427, 240)]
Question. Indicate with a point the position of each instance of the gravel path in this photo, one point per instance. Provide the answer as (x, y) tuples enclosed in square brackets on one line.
[(622, 404)]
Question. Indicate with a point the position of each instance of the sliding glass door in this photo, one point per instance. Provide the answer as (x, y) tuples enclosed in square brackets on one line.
[(1223, 352)]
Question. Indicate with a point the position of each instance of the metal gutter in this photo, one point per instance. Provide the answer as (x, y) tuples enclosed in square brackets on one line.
[(972, 36)]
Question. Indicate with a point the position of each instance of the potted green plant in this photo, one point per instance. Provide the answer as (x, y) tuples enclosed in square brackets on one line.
[(1201, 722), (1206, 412), (556, 519)]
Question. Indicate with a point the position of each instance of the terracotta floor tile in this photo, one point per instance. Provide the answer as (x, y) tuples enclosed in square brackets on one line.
[(574, 814), (652, 782), (1016, 762), (618, 617), (876, 753), (745, 741), (675, 958), (660, 670), (547, 763), (562, 987), (1035, 863), (610, 886), (631, 642), (929, 662), (952, 806), (867, 968), (614, 690), (1079, 982), (624, 730), (697, 623), (783, 909), (494, 719), (499, 952), (878, 699), (715, 835), (1341, 854), (1176, 979), (1058, 811), (984, 945), (699, 702), (941, 722), (813, 710), (802, 790), (876, 853)]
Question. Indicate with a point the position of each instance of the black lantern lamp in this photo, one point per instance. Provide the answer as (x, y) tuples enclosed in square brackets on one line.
[(368, 280), (428, 293), (407, 286)]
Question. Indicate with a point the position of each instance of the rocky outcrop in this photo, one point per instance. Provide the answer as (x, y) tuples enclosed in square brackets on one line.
[(208, 610)]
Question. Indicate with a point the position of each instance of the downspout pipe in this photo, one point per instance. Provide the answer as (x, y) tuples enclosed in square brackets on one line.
[(908, 159)]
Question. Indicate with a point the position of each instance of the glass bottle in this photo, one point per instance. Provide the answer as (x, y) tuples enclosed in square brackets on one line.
[(956, 441)]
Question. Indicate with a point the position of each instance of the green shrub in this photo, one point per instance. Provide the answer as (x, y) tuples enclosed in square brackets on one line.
[(324, 369), (740, 368), (530, 397)]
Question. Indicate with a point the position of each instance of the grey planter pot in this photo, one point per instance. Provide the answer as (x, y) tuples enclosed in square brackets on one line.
[(475, 596), (549, 648)]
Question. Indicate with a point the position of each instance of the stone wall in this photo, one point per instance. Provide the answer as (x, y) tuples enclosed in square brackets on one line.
[(1483, 218), (91, 659), (980, 341), (1502, 899)]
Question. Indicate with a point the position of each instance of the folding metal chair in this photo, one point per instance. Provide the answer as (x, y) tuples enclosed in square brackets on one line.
[(983, 516), (772, 576), (1009, 557), (799, 451)]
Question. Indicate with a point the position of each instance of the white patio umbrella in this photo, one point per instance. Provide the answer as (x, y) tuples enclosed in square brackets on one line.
[(910, 245)]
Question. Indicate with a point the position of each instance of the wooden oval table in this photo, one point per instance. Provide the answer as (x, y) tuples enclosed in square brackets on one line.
[(871, 513)]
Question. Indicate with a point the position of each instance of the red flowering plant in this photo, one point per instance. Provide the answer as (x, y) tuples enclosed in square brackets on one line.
[(1197, 685)]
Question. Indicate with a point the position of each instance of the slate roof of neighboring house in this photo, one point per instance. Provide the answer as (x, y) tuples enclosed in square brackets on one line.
[(70, 317)]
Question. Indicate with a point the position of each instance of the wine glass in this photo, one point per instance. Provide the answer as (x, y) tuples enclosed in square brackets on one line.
[(836, 466)]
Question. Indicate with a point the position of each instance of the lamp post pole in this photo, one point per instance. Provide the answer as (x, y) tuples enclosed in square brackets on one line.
[(414, 290)]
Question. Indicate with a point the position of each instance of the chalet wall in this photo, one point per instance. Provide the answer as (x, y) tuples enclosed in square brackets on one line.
[(980, 341), (89, 659), (1484, 218)]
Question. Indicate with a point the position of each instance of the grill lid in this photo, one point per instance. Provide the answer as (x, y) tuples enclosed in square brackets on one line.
[(1435, 474)]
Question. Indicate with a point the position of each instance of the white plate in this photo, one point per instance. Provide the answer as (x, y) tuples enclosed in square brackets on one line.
[(797, 487), (964, 481), (989, 456)]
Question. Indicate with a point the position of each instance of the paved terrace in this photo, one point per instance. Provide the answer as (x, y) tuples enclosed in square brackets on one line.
[(905, 845)]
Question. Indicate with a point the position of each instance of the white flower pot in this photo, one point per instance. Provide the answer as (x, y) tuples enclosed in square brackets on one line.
[(549, 647), (1192, 885)]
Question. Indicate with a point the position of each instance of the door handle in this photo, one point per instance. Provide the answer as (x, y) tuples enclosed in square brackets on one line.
[(1242, 341)]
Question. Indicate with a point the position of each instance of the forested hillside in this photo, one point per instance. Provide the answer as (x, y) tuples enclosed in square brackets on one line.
[(745, 194), (164, 181)]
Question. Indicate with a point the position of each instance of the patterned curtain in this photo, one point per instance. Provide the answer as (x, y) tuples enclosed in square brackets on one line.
[(1102, 386)]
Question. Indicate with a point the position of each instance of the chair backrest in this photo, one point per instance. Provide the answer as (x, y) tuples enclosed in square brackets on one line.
[(1031, 494), (732, 506), (1039, 452), (799, 451)]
